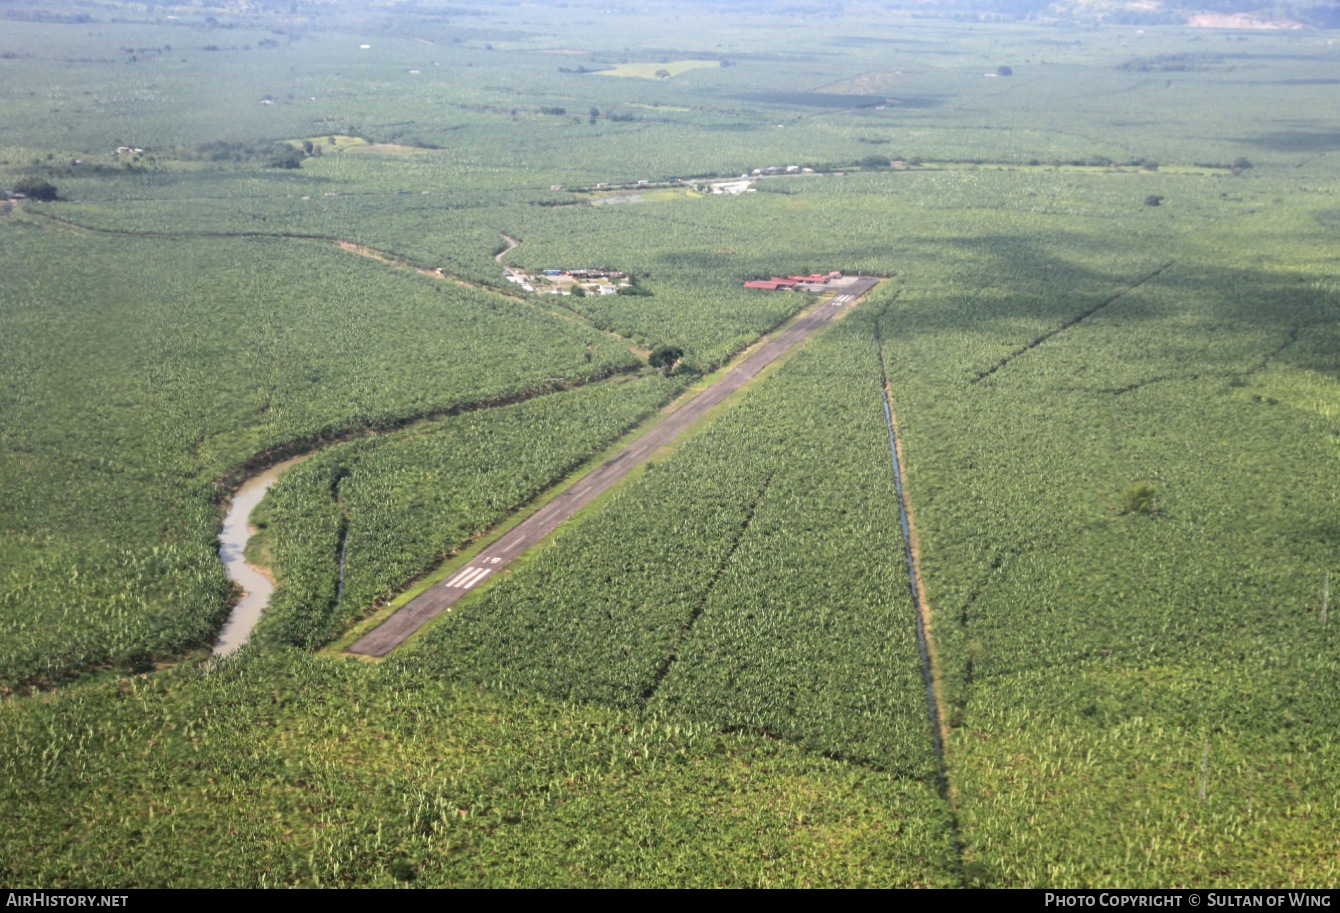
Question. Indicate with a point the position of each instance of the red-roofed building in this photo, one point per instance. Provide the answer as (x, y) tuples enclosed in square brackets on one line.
[(806, 283)]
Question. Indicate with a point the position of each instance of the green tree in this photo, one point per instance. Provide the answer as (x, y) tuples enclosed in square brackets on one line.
[(634, 288), (664, 358), (36, 188), (286, 156)]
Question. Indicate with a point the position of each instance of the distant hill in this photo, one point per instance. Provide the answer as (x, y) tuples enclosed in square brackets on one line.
[(1204, 13), (1240, 14)]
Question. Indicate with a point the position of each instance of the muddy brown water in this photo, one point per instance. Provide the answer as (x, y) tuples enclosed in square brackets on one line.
[(256, 587)]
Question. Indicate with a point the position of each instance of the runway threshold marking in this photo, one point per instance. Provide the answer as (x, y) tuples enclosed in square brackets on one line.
[(469, 576)]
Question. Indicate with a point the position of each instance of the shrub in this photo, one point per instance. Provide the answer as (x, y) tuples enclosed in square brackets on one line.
[(1138, 498), (665, 357), (286, 156), (36, 188)]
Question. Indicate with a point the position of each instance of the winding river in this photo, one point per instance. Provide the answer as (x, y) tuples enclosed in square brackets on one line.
[(256, 586)]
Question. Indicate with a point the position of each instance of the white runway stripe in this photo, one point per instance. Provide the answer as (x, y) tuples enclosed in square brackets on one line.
[(468, 577), (483, 572)]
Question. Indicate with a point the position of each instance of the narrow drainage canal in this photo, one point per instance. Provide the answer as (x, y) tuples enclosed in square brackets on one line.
[(256, 587), (923, 638), (932, 706), (910, 556)]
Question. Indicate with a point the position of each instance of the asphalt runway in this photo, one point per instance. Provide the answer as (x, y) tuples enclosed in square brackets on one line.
[(441, 596)]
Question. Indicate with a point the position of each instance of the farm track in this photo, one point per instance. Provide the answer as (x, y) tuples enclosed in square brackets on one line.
[(567, 313), (1266, 360), (509, 244), (1072, 322), (912, 554), (381, 255), (673, 656), (407, 621), (1289, 342), (930, 664)]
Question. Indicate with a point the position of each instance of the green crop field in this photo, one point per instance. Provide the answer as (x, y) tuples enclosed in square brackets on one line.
[(377, 508), (1108, 335)]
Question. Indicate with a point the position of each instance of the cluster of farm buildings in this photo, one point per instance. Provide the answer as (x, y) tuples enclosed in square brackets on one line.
[(814, 282), (566, 281)]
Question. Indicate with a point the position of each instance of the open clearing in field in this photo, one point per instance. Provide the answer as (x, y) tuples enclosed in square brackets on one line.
[(865, 84), (345, 143), (653, 195), (651, 70)]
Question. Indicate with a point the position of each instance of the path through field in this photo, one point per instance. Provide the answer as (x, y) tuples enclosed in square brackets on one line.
[(510, 243), (381, 255)]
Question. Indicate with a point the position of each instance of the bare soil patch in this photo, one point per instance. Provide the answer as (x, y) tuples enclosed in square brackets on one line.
[(387, 149), (872, 83), (371, 253), (1239, 21)]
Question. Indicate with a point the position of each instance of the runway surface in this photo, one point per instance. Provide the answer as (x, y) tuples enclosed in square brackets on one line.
[(436, 600)]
